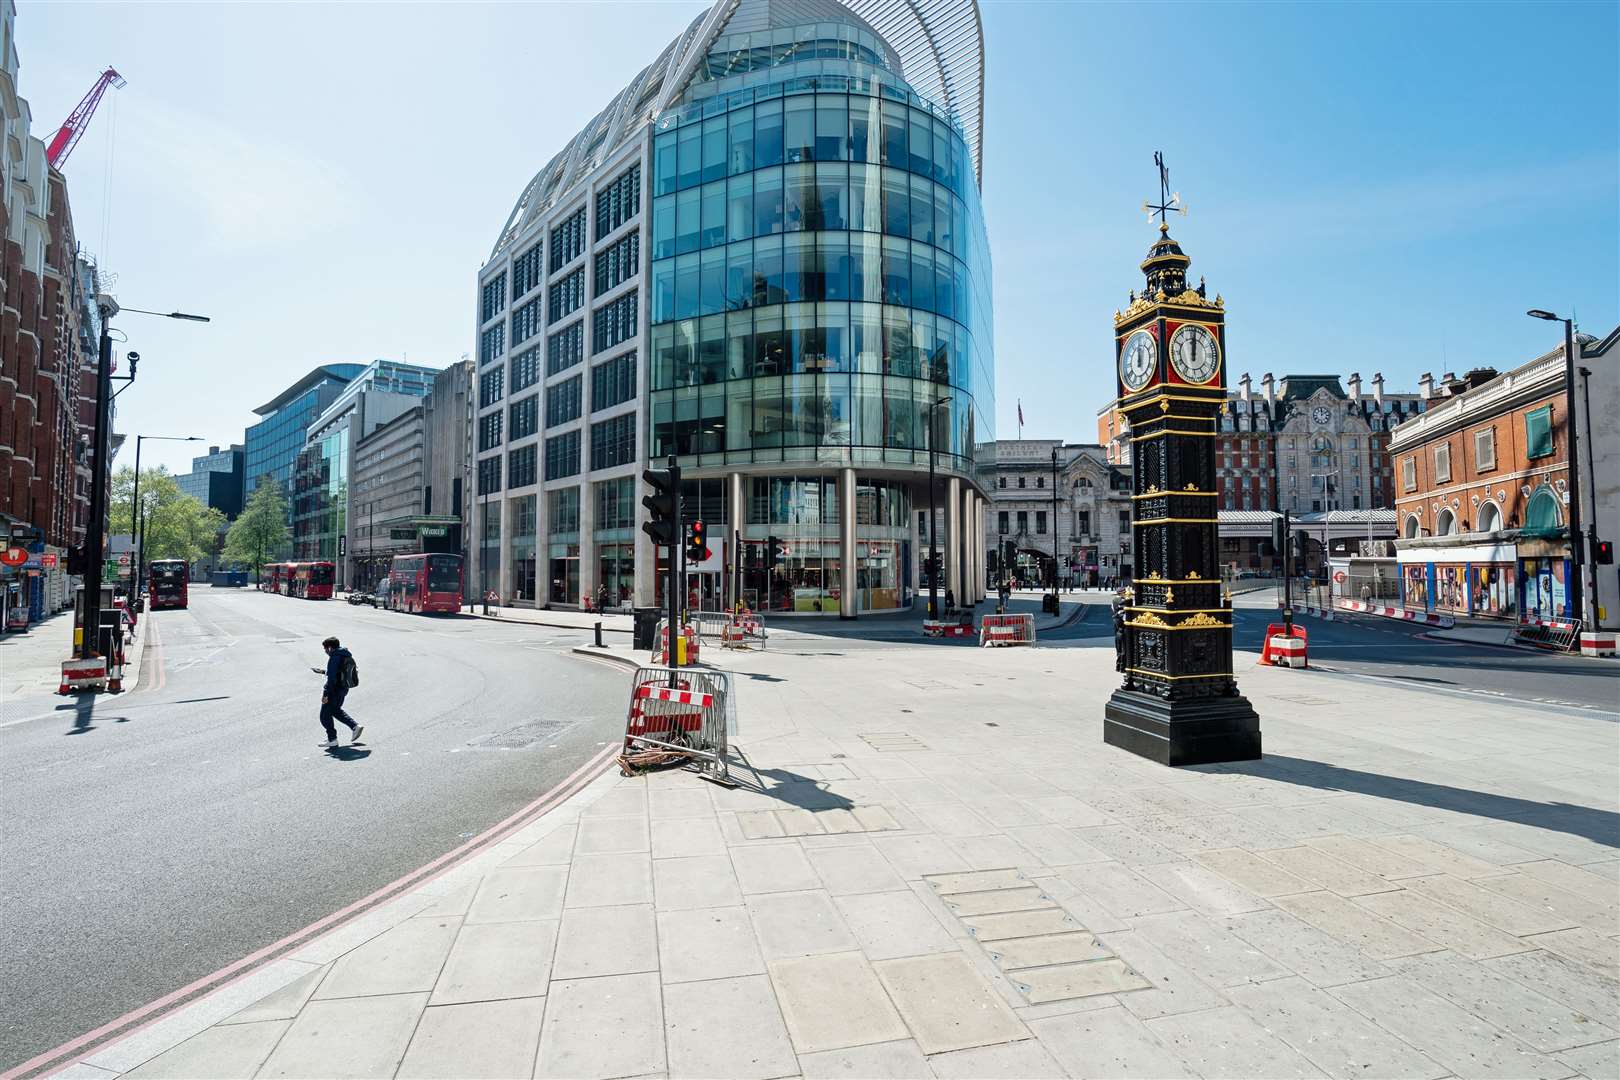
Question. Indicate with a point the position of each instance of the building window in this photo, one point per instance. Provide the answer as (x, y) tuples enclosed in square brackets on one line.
[(616, 504), (1538, 436), (1485, 449), (613, 382), (489, 475), (491, 343), (523, 418), (1040, 481), (614, 323), (1442, 463), (613, 442), (568, 241), (489, 430), (491, 386), (493, 298), (1125, 523), (1083, 522), (619, 201), (526, 321), (618, 263), (1001, 481), (1023, 523), (566, 296), (1001, 522), (1040, 522), (565, 348), (562, 456), (520, 467), (563, 401), (526, 271), (1409, 474), (526, 369), (1021, 481), (562, 512)]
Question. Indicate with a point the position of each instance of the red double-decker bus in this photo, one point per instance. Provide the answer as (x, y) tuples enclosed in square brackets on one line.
[(312, 580), (425, 583), (168, 583), (273, 577)]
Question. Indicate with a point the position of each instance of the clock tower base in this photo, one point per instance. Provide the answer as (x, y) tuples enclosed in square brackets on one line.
[(1185, 731)]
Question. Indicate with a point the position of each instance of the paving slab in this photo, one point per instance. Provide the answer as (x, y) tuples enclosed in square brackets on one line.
[(609, 880), (1600, 915), (680, 837), (1067, 982), (1600, 1061), (1121, 890), (1226, 1043), (1368, 856), (1020, 924), (497, 960), (284, 1003), (1577, 879), (606, 941), (479, 1039), (708, 943), (1506, 1003), (699, 881), (1216, 955), (833, 1002), (1334, 1037), (1109, 1042), (398, 961), (1572, 985), (1127, 845), (893, 924), (798, 924), (1327, 872), (1490, 907), (225, 1052), (611, 835), (580, 1011), (947, 1004), (1583, 946), (854, 868), (917, 856), (1175, 989), (1201, 889), (1442, 925), (1435, 857), (514, 893), (1353, 925), (1024, 1059), (892, 1060), (1248, 871), (768, 868), (727, 1028), (1321, 958), (359, 1038)]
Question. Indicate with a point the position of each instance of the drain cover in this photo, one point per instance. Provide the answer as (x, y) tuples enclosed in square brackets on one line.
[(522, 737)]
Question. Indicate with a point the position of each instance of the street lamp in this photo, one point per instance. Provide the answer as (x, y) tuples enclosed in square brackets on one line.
[(95, 540), (137, 536), (933, 529), (1577, 604), (1054, 528)]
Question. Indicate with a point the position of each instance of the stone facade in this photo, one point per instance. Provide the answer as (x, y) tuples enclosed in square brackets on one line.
[(1092, 524)]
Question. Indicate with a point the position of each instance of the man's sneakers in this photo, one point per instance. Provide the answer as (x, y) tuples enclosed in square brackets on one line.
[(328, 744), (358, 728)]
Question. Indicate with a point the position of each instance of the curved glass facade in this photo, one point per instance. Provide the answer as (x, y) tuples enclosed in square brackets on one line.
[(820, 274)]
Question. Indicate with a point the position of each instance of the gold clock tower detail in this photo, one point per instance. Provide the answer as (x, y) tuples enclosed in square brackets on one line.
[(1179, 703)]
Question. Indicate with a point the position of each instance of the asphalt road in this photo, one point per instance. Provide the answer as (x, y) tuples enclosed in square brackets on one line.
[(152, 838)]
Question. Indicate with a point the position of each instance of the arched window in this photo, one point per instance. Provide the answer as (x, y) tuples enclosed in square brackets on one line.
[(1490, 517), (1445, 524), (1543, 511), (1413, 528)]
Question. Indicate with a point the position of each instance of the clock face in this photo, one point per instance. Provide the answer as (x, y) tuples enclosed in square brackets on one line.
[(1321, 416), (1194, 353), (1138, 359)]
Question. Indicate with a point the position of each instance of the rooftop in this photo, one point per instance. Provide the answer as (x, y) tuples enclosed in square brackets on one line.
[(339, 372)]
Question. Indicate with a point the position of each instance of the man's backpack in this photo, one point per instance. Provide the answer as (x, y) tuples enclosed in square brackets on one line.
[(350, 673)]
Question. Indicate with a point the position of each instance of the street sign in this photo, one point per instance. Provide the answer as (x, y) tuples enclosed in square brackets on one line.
[(48, 561), (1338, 576), (111, 570), (436, 532), (123, 560), (14, 556)]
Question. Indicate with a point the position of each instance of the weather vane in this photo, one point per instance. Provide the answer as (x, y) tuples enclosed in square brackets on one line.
[(1169, 202)]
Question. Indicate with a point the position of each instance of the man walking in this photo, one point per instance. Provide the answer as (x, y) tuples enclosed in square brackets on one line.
[(340, 675)]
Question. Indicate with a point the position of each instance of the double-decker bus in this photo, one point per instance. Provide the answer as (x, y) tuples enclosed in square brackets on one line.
[(425, 583), (312, 580), (167, 581), (273, 577)]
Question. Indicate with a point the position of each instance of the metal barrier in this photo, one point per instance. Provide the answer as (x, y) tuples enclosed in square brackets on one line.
[(678, 713), (660, 653), (1007, 630), (744, 632), (710, 624), (1547, 633)]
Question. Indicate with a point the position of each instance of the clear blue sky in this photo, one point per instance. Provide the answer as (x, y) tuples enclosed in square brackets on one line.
[(1373, 187)]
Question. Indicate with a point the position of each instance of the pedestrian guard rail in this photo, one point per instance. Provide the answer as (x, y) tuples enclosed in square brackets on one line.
[(1547, 633), (661, 647), (1007, 630), (1271, 652), (680, 713)]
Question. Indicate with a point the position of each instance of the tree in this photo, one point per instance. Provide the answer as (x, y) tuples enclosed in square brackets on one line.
[(177, 526), (260, 530)]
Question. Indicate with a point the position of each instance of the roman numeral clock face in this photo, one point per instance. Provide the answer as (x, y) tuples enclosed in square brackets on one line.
[(1138, 360), (1194, 353)]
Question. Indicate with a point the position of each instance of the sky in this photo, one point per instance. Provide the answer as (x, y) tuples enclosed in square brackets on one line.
[(1373, 188)]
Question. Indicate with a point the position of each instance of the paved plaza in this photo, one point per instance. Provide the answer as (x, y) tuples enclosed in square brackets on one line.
[(934, 867)]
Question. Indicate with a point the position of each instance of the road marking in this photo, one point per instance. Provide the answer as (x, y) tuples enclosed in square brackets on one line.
[(1464, 691)]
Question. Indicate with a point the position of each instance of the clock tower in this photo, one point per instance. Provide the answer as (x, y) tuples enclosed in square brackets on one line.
[(1179, 704)]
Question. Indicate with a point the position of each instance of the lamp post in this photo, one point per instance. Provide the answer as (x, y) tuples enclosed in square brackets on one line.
[(1054, 526), (95, 540), (137, 536), (1577, 604), (933, 529)]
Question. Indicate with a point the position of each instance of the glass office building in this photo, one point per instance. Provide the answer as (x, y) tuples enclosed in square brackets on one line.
[(767, 258), (270, 447)]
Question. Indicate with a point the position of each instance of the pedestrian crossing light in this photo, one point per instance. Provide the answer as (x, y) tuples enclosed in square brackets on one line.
[(773, 552), (697, 548), (661, 524)]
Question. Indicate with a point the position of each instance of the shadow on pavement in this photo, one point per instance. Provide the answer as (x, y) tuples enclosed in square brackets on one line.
[(1599, 826), (350, 753), (84, 713), (794, 789)]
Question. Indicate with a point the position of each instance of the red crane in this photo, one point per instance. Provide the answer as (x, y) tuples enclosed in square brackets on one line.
[(67, 136)]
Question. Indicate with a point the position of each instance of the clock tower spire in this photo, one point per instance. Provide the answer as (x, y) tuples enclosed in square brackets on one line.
[(1179, 703)]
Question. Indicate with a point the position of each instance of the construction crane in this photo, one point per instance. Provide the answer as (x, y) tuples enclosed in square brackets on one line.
[(67, 136)]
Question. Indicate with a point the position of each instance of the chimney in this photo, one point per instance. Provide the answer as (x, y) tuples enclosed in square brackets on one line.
[(1268, 387), (1243, 388), (1378, 390), (1426, 387), (1355, 387), (213, 449)]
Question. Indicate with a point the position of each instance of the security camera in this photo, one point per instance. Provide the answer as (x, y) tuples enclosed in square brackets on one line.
[(134, 357)]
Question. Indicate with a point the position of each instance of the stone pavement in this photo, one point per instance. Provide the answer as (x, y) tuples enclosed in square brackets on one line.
[(935, 867), (31, 665)]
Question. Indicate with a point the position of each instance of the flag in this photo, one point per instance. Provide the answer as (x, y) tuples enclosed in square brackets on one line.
[(1020, 412)]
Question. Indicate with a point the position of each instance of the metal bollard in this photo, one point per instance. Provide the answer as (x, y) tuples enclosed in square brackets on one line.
[(599, 633)]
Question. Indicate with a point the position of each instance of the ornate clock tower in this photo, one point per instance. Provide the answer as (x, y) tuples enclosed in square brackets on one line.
[(1179, 704)]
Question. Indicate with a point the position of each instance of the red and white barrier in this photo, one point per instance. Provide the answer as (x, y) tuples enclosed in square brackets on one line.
[(1549, 624), (1007, 630), (660, 654), (81, 675), (935, 628), (1308, 609), (1445, 622), (1285, 648), (1599, 643)]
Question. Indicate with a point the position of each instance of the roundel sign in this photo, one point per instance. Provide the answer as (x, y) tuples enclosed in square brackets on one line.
[(1338, 576), (14, 556)]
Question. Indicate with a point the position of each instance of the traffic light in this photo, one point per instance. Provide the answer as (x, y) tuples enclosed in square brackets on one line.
[(1009, 554), (697, 549), (662, 523), (1603, 552), (1279, 537), (773, 551), (1298, 540)]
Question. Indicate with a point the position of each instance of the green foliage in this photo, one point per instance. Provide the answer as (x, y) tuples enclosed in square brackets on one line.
[(178, 526), (259, 534)]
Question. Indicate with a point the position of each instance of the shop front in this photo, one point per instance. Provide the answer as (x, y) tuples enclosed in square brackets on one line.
[(1464, 577)]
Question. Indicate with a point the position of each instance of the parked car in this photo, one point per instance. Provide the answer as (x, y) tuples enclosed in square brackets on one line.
[(357, 597)]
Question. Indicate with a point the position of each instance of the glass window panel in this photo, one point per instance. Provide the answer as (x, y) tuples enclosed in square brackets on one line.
[(665, 170), (899, 350), (739, 344), (739, 282), (686, 286), (866, 268), (712, 282), (896, 203), (799, 208), (741, 135), (690, 156), (770, 344), (896, 273), (797, 261), (922, 276), (740, 207), (799, 128), (863, 119), (768, 202), (712, 230), (688, 220), (834, 265), (922, 142), (739, 404), (922, 212), (832, 126), (664, 227), (769, 287), (865, 198), (711, 350), (767, 133), (832, 197), (893, 136), (714, 148), (940, 166), (663, 290)]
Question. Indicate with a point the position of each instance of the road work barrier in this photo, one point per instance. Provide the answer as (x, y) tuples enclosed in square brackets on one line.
[(81, 675), (1445, 622), (1285, 650), (1007, 630), (680, 714), (689, 635), (1547, 633)]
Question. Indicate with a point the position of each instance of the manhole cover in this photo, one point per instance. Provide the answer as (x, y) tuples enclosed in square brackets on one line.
[(522, 737)]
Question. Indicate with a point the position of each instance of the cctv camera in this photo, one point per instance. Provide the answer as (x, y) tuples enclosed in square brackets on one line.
[(134, 357)]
